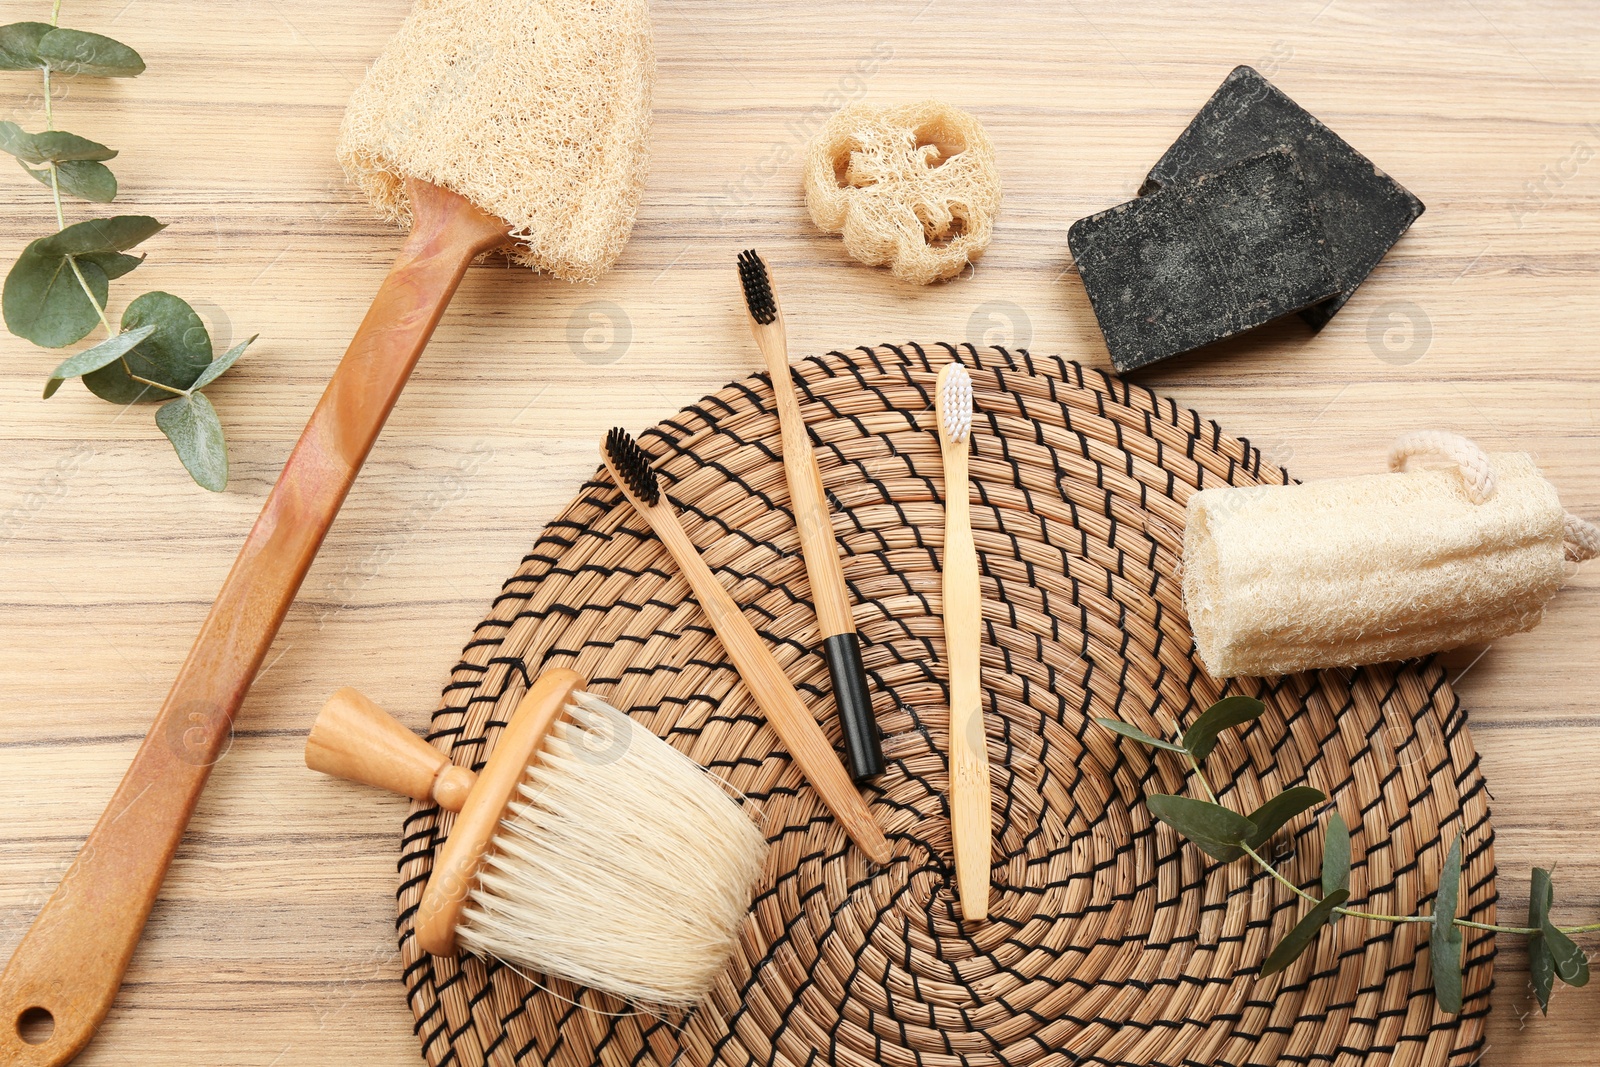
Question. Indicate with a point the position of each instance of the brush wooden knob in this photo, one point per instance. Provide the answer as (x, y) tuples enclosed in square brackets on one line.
[(356, 740)]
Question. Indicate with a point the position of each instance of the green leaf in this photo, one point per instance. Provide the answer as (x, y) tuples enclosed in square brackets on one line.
[(1305, 931), (1118, 726), (174, 355), (1541, 961), (219, 366), (1270, 817), (92, 359), (78, 52), (19, 45), (1215, 830), (1335, 855), (191, 424), (43, 301), (114, 264), (116, 234), (1445, 945), (84, 179), (51, 146), (1568, 960), (1201, 738)]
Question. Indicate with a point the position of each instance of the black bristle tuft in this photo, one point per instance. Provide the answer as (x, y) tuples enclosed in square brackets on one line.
[(757, 289), (633, 463)]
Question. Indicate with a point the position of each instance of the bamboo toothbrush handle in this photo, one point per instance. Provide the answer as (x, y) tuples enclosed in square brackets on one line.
[(772, 690), (969, 755), (356, 740), (71, 961), (824, 571)]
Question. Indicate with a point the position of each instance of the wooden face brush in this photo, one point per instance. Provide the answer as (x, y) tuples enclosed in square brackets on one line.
[(840, 645), (587, 848), (963, 619), (439, 133), (773, 692)]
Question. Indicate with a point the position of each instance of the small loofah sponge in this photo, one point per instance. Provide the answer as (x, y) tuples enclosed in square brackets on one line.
[(1286, 578), (535, 110), (913, 186)]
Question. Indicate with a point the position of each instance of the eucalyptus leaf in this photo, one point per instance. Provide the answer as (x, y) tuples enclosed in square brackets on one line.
[(84, 179), (51, 146), (1126, 730), (1201, 738), (1215, 830), (174, 355), (92, 359), (1541, 961), (1335, 855), (114, 264), (1571, 965), (80, 52), (44, 302), (116, 234), (219, 366), (191, 424), (1271, 816), (1305, 931), (1445, 944), (19, 45)]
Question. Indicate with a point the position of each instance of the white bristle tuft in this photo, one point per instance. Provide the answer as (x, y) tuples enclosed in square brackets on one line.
[(620, 865), (957, 403)]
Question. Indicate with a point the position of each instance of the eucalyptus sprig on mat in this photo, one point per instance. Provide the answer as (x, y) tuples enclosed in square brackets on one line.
[(1226, 835), (57, 292)]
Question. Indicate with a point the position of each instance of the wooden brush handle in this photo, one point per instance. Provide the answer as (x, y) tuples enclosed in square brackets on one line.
[(970, 828), (71, 960), (820, 550), (356, 740)]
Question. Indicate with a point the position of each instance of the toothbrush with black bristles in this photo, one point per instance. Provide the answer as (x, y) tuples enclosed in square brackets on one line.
[(840, 645), (794, 724)]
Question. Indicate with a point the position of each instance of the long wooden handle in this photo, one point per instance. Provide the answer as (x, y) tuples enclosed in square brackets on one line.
[(71, 961), (969, 755), (820, 549), (356, 740)]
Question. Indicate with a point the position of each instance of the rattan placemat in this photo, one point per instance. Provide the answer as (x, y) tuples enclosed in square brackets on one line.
[(1110, 940)]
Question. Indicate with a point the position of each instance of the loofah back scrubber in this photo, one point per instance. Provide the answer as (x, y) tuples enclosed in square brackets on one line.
[(534, 110), (914, 187), (1278, 579)]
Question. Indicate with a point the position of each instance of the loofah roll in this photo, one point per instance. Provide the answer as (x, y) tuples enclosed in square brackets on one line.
[(1286, 578), (535, 110), (914, 187)]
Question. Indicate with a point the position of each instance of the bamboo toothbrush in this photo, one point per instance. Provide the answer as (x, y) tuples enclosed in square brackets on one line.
[(773, 692), (840, 645), (587, 848), (963, 617)]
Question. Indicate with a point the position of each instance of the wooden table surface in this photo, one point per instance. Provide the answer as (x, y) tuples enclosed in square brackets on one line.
[(272, 942)]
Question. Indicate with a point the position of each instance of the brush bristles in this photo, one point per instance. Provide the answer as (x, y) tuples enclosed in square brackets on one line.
[(957, 403), (757, 287), (633, 463), (620, 865)]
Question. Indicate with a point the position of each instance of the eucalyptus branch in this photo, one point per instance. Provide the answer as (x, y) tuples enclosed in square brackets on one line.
[(1226, 835), (161, 350)]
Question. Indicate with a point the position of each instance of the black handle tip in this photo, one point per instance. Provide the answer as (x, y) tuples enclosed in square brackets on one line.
[(861, 742)]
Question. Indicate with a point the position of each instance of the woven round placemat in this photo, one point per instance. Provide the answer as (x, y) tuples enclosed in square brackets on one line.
[(1111, 940)]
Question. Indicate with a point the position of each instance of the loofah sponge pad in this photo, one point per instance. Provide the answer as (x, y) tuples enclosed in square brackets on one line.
[(1278, 579), (535, 110), (913, 186)]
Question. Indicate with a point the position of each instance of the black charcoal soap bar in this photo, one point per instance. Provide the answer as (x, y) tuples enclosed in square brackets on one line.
[(1363, 210), (1194, 263)]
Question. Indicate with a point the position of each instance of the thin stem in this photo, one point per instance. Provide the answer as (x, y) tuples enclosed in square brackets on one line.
[(49, 117), (55, 191), (55, 13), (98, 310), (157, 385)]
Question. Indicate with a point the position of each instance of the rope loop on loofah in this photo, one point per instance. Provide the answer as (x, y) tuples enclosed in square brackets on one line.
[(1580, 536)]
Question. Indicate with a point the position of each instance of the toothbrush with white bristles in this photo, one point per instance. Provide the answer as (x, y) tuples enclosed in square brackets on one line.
[(963, 620)]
